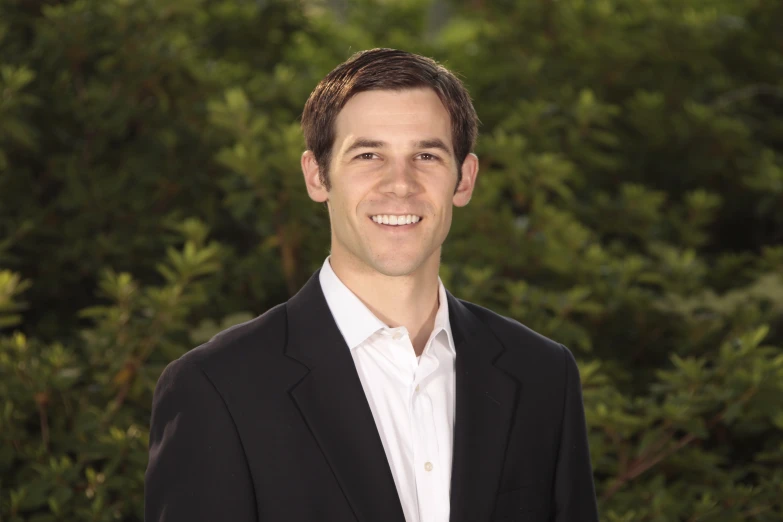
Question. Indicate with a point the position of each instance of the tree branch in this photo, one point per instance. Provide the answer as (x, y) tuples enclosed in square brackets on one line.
[(643, 463)]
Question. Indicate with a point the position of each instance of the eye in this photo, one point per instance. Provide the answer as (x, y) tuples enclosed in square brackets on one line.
[(366, 155), (428, 157)]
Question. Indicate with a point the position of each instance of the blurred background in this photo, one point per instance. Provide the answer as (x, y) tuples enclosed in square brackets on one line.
[(629, 205)]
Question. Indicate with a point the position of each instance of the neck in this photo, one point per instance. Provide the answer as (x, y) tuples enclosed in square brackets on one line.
[(410, 300)]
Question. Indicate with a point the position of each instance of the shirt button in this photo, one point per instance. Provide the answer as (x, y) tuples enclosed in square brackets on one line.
[(397, 336), (428, 466), (417, 387)]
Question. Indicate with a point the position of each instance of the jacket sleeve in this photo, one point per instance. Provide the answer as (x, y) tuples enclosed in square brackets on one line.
[(197, 469), (574, 493)]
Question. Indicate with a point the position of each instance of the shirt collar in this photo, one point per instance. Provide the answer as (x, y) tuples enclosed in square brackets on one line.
[(357, 323)]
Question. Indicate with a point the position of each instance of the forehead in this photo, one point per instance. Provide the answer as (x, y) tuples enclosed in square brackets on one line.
[(388, 114)]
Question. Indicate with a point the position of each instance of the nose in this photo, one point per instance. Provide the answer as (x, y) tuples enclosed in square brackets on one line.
[(400, 178)]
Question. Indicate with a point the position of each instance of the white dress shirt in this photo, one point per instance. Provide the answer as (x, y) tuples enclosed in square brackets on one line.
[(411, 398)]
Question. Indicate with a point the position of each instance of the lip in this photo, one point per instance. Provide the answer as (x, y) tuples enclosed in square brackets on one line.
[(395, 228)]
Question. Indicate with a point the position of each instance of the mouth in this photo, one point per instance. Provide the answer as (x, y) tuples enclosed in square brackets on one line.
[(396, 228)]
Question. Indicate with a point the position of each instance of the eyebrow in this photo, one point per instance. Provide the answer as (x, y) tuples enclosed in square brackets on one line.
[(366, 143)]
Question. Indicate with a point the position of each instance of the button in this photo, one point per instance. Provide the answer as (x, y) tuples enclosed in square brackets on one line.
[(417, 387), (428, 466), (397, 336)]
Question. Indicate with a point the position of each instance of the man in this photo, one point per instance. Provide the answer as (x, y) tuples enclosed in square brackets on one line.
[(374, 394)]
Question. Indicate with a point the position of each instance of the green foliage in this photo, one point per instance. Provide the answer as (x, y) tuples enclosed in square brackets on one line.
[(628, 205), (89, 402)]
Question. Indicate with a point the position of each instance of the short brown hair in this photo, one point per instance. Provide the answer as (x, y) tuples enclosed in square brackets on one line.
[(387, 69)]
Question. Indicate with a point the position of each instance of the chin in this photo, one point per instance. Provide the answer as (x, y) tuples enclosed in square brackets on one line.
[(396, 268)]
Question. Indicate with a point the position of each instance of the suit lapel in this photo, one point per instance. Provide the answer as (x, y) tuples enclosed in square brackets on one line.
[(485, 403), (333, 403)]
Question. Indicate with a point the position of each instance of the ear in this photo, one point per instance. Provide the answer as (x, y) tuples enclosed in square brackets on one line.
[(464, 191), (315, 188)]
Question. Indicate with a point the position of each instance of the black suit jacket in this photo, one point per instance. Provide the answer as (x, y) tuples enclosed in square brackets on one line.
[(268, 422)]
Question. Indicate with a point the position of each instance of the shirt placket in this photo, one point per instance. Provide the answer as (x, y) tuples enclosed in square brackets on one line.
[(427, 461)]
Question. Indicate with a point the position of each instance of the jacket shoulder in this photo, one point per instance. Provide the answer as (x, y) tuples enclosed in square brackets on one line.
[(242, 344), (524, 347)]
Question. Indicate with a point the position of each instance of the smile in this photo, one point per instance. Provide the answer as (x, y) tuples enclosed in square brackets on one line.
[(402, 222), (395, 219)]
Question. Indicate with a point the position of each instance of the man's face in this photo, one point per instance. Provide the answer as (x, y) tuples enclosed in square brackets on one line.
[(392, 156)]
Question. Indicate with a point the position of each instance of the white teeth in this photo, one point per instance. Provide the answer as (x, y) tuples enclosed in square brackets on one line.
[(396, 220)]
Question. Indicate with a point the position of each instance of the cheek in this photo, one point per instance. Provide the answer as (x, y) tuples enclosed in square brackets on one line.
[(345, 206), (448, 214)]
